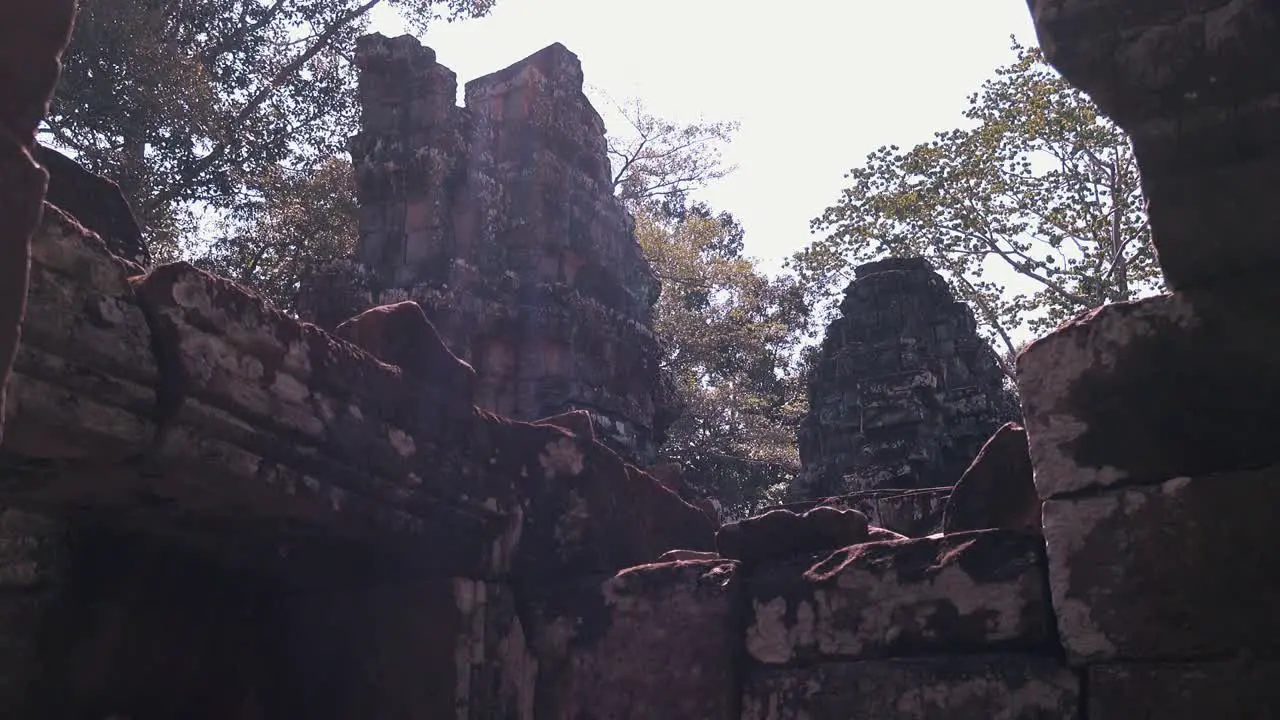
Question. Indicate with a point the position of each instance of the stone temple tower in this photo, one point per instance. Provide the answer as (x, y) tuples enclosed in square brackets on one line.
[(905, 391), (499, 219)]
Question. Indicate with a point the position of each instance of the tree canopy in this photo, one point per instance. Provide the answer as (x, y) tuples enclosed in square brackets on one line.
[(1034, 212), (189, 106), (731, 332)]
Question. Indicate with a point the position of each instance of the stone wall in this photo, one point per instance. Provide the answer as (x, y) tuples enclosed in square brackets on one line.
[(903, 394), (499, 219)]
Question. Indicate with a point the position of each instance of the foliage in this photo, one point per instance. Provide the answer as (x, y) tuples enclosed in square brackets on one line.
[(288, 224), (1034, 213), (731, 332), (730, 335), (189, 105)]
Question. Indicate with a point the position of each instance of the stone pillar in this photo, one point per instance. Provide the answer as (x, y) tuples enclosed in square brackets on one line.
[(905, 391), (1152, 424)]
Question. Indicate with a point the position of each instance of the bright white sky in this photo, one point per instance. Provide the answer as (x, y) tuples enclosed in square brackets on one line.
[(816, 85)]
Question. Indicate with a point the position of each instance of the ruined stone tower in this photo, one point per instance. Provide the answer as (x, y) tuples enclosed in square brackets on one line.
[(499, 219), (904, 392)]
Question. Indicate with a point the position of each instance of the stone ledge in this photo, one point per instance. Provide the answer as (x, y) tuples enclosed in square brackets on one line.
[(1176, 571)]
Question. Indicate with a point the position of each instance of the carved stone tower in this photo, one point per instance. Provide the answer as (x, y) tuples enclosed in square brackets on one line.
[(499, 219), (905, 391)]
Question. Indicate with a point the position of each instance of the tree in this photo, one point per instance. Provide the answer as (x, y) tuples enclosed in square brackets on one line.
[(288, 224), (1041, 188), (658, 162), (187, 103), (730, 335)]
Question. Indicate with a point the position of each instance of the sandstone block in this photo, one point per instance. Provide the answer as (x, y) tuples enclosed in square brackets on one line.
[(401, 335), (991, 687), (1174, 571), (1248, 690), (965, 592), (654, 641), (96, 203), (86, 374), (1140, 392), (998, 490), (782, 533)]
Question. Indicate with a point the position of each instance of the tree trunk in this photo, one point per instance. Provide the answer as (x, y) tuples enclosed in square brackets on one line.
[(1119, 198)]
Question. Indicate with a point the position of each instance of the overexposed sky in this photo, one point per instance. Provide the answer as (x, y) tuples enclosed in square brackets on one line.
[(816, 85)]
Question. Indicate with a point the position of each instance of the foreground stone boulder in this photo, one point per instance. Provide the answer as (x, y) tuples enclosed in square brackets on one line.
[(998, 490), (1109, 397), (1141, 572), (654, 641), (991, 687), (975, 591), (782, 534), (96, 203)]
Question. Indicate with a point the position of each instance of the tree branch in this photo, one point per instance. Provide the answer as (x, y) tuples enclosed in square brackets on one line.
[(191, 172)]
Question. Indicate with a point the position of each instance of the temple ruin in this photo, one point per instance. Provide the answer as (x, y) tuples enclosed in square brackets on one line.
[(499, 219), (213, 510), (903, 394)]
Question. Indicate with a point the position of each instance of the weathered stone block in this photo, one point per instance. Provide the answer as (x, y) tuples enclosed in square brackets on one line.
[(586, 512), (998, 490), (1248, 690), (991, 687), (914, 513), (1174, 571), (654, 641), (86, 375), (1173, 385), (96, 203), (965, 592)]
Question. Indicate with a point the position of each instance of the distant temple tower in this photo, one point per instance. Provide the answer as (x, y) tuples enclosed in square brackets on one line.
[(499, 218), (905, 391)]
